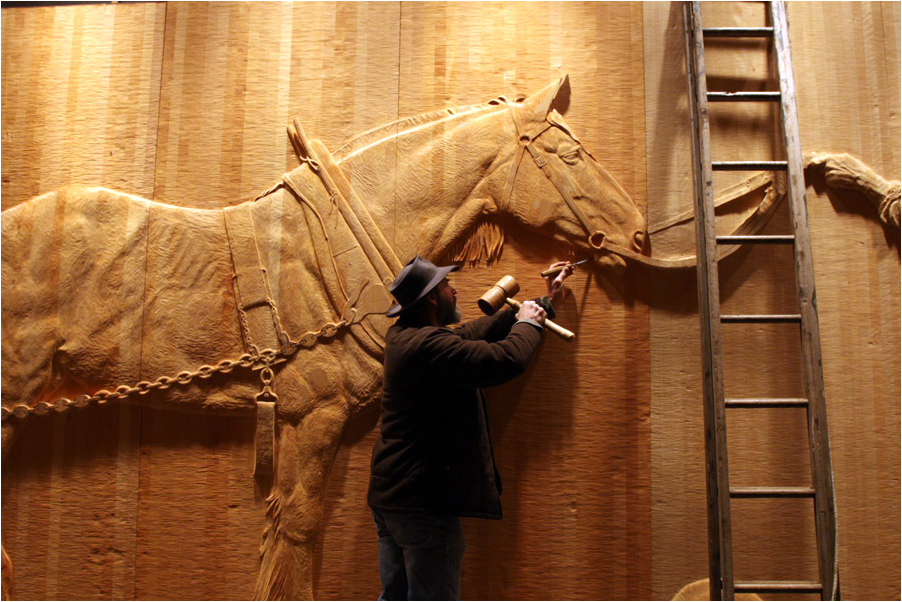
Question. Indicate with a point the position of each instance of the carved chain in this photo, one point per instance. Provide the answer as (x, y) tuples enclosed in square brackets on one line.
[(261, 360)]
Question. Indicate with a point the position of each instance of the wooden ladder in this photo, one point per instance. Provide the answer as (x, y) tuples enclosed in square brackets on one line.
[(719, 492)]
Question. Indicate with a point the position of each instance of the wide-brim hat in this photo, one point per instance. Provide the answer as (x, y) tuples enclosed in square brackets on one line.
[(414, 282)]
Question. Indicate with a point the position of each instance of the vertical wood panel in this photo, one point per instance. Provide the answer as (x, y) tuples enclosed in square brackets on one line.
[(848, 102), (199, 517), (80, 95), (600, 442), (72, 482)]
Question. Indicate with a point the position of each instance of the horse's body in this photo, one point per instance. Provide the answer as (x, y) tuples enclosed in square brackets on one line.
[(115, 295), (103, 289)]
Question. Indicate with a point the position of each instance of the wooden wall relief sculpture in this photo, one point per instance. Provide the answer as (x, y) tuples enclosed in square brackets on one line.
[(274, 306), (756, 199), (107, 296), (845, 172)]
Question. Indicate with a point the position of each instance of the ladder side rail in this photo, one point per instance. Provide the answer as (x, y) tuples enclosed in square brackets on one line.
[(822, 473), (720, 554)]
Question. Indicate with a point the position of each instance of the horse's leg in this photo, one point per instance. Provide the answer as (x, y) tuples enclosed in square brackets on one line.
[(310, 428)]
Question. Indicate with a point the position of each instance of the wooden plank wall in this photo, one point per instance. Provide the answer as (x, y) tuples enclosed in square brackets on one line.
[(848, 102), (600, 443)]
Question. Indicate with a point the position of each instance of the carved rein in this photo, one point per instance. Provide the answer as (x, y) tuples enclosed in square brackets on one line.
[(596, 238)]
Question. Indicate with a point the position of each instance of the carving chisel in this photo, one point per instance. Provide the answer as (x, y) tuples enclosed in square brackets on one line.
[(554, 271)]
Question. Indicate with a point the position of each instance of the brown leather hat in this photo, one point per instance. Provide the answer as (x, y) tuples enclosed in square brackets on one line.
[(414, 281)]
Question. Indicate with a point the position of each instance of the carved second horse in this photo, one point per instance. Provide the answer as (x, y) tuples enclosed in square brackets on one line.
[(104, 290)]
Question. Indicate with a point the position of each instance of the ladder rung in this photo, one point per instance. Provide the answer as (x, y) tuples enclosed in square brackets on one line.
[(763, 239), (764, 318), (766, 403), (771, 492), (819, 490), (748, 165), (778, 587), (743, 96), (738, 32)]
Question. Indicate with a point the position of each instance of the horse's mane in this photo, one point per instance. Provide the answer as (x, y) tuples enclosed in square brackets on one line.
[(483, 242), (396, 128)]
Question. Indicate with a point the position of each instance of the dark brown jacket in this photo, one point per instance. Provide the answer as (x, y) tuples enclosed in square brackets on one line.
[(434, 453)]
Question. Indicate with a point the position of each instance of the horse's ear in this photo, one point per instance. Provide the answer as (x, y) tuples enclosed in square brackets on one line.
[(535, 109)]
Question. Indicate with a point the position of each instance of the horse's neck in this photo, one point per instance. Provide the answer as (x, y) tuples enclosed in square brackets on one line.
[(427, 187)]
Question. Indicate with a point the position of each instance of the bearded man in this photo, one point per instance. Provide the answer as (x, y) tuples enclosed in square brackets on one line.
[(433, 460)]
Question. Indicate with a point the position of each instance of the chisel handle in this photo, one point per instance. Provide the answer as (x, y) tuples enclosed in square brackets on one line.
[(558, 330)]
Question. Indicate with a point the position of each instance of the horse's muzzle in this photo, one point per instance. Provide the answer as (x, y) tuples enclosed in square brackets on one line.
[(637, 243), (607, 254)]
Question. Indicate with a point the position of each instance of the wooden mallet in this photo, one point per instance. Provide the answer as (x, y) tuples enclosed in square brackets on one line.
[(502, 292)]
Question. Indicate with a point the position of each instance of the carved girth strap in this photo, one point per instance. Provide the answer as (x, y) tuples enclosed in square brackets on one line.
[(259, 319)]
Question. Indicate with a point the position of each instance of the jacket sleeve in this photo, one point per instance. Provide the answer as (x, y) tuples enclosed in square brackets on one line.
[(488, 328), (495, 327), (455, 361)]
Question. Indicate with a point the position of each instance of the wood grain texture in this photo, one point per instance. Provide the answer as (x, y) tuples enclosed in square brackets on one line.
[(600, 443), (234, 75), (860, 339), (846, 103), (81, 92)]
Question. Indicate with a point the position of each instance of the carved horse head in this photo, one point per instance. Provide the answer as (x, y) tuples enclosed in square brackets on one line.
[(432, 181)]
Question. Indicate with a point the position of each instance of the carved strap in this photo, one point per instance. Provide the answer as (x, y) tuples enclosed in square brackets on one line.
[(253, 294), (265, 433), (511, 178), (351, 250), (543, 165), (259, 321), (379, 253), (774, 193), (523, 139), (526, 139)]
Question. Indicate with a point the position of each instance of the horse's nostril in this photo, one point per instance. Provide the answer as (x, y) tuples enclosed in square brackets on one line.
[(597, 239)]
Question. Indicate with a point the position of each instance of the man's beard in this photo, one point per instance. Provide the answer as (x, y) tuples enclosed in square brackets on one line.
[(448, 312)]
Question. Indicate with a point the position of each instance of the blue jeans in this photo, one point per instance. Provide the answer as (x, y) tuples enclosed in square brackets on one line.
[(419, 556)]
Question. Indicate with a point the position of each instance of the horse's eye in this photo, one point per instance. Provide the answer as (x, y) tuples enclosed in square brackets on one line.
[(571, 157)]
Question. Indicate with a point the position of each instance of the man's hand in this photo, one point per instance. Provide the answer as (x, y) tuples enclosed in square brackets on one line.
[(530, 310), (555, 284)]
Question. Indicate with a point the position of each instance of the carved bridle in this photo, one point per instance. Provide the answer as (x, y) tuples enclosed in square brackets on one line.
[(597, 239), (526, 138)]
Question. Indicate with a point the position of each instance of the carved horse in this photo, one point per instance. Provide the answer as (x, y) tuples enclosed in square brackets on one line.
[(193, 308)]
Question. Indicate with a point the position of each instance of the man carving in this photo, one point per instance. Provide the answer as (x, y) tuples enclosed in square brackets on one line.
[(433, 460)]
